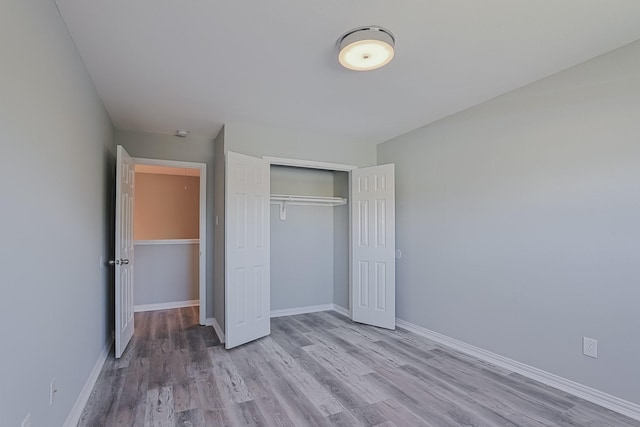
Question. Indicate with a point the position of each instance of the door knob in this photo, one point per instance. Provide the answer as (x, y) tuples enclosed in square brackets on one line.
[(124, 261)]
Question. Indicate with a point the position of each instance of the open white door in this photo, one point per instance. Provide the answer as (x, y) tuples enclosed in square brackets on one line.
[(247, 272), (123, 261), (373, 246)]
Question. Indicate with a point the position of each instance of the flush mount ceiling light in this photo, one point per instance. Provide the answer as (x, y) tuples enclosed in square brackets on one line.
[(366, 48), (182, 133)]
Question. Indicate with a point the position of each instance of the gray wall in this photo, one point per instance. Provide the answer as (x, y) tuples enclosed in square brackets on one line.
[(302, 244), (301, 257), (166, 207), (193, 148), (301, 181), (519, 223), (341, 242), (219, 213), (166, 273), (56, 174)]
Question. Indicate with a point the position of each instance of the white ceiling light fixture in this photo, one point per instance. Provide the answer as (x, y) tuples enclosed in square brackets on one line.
[(182, 133), (366, 48)]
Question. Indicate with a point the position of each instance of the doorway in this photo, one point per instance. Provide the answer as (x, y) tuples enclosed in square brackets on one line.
[(170, 238)]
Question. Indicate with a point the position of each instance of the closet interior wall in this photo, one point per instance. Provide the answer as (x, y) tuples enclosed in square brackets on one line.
[(341, 242), (309, 249)]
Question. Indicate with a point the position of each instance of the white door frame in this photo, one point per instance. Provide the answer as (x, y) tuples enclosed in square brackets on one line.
[(202, 264)]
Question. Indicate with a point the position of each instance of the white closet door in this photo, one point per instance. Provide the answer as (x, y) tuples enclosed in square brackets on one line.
[(247, 272), (373, 246)]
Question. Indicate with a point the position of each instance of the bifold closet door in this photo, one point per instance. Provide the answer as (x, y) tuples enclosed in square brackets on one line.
[(247, 233), (373, 235)]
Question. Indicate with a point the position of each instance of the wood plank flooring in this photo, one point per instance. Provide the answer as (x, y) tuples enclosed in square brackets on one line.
[(317, 369)]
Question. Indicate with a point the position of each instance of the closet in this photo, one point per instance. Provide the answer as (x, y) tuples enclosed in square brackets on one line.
[(309, 217), (341, 251)]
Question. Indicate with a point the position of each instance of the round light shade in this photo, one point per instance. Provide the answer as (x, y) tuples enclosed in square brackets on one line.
[(366, 48)]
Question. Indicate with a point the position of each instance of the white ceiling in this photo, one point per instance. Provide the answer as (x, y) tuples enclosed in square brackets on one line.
[(162, 65)]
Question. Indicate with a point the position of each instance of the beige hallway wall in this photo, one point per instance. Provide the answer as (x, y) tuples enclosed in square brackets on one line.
[(166, 207)]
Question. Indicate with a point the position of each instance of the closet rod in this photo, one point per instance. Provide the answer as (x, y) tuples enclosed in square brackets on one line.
[(286, 199)]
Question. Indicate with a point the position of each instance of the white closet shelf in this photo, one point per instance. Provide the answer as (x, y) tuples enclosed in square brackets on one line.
[(289, 199)]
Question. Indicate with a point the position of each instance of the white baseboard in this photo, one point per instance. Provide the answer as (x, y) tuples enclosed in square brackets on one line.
[(310, 309), (608, 401), (217, 328), (165, 305), (301, 310), (81, 401), (341, 310)]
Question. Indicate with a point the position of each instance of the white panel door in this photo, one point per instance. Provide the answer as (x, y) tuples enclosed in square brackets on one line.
[(125, 176), (373, 246), (247, 266)]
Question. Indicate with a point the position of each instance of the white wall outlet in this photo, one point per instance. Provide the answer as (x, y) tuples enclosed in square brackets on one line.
[(590, 347), (53, 389), (27, 421)]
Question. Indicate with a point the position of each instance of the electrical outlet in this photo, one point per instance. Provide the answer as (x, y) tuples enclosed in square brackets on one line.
[(53, 389), (590, 347), (27, 421)]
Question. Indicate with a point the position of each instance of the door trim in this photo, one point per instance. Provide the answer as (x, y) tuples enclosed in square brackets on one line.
[(309, 164), (202, 264)]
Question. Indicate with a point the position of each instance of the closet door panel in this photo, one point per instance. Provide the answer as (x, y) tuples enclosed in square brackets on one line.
[(247, 273), (373, 288)]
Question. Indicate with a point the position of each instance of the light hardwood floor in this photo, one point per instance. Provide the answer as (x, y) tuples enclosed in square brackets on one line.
[(317, 369)]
